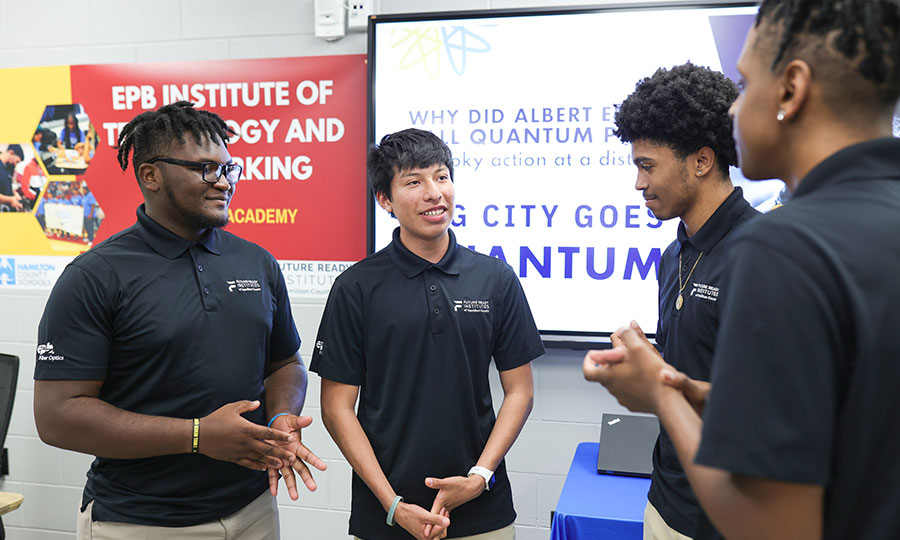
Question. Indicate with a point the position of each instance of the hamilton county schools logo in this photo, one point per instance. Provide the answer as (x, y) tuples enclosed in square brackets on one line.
[(472, 306), (45, 353), (243, 285), (705, 292), (7, 271)]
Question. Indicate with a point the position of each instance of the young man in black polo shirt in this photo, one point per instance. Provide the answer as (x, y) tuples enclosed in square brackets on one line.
[(164, 350), (411, 331), (680, 133), (800, 435)]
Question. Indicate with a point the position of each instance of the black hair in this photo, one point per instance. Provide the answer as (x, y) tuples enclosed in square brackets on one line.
[(17, 150), (66, 132), (153, 133), (684, 108), (865, 34), (407, 149)]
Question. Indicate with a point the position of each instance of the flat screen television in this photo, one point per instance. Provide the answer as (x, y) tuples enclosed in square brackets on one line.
[(526, 101)]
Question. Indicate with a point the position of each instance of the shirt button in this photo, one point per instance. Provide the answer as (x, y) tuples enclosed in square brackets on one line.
[(206, 290), (200, 267), (433, 288), (684, 268), (437, 311)]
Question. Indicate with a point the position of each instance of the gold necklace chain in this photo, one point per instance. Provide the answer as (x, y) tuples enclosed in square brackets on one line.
[(679, 301)]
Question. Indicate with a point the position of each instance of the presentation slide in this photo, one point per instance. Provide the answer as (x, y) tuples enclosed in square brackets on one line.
[(527, 105)]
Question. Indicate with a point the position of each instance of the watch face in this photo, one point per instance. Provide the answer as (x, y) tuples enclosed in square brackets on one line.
[(490, 483)]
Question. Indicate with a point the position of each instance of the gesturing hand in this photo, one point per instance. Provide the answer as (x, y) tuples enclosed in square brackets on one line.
[(227, 436), (293, 424), (630, 371)]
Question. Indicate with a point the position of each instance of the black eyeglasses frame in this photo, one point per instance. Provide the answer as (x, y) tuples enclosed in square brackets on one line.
[(221, 169)]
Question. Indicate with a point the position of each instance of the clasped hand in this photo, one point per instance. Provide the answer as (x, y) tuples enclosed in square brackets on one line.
[(634, 372), (453, 492)]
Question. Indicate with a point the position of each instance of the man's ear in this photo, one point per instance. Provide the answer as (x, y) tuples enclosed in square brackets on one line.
[(384, 202), (795, 84), (149, 177), (704, 160)]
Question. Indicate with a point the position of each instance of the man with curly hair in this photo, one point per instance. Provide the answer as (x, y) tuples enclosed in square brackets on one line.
[(680, 133), (799, 437)]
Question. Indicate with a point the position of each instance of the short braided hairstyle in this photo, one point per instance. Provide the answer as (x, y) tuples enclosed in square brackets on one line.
[(865, 34), (684, 108), (153, 133)]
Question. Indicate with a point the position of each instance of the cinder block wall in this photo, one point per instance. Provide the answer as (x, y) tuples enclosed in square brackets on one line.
[(567, 409)]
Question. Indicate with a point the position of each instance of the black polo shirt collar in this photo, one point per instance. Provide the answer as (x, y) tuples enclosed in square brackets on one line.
[(864, 161), (167, 243), (718, 224), (412, 265)]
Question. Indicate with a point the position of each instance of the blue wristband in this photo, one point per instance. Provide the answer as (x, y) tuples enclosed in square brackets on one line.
[(390, 517), (274, 417)]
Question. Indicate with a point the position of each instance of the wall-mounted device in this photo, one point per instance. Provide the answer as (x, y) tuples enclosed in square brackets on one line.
[(358, 12), (330, 19)]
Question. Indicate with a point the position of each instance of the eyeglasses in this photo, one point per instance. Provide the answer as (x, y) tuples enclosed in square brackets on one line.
[(212, 172)]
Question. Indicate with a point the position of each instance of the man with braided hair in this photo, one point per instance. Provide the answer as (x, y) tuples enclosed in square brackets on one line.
[(800, 437), (680, 133), (165, 349)]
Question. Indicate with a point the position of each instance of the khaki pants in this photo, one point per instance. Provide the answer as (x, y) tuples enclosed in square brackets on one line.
[(506, 533), (656, 528), (256, 521)]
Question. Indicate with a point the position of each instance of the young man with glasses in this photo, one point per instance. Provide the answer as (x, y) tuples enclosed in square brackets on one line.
[(169, 352)]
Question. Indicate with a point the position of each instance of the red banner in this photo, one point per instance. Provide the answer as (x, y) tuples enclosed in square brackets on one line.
[(301, 140)]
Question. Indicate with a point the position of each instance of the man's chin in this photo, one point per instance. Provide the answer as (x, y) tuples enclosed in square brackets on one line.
[(214, 222)]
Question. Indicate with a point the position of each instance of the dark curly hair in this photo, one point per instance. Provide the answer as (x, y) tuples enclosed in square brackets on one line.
[(404, 150), (865, 34), (153, 133), (684, 108)]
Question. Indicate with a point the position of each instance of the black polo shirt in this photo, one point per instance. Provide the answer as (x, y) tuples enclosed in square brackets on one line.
[(807, 364), (173, 329), (687, 338), (418, 338)]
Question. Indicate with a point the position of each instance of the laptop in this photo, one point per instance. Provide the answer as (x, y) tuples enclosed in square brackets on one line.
[(626, 444)]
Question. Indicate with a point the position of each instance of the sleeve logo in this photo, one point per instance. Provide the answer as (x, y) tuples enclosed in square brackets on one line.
[(45, 353)]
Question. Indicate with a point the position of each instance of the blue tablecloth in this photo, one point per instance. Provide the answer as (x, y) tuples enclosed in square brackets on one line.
[(595, 506)]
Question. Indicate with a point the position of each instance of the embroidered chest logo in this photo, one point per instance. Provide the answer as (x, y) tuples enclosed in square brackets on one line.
[(243, 285), (472, 306), (47, 354), (705, 292)]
